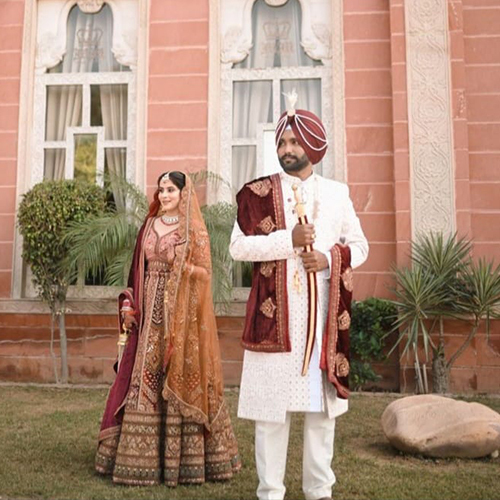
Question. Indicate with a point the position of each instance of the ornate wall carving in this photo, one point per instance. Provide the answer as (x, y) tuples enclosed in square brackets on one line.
[(430, 114), (51, 36), (236, 29), (90, 6)]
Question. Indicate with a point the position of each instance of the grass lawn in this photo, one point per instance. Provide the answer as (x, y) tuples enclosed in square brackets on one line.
[(48, 439)]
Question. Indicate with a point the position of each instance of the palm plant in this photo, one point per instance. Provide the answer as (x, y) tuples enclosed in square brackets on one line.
[(442, 283), (106, 241), (219, 219)]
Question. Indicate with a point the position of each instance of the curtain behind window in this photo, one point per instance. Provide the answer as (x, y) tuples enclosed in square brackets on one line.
[(88, 49)]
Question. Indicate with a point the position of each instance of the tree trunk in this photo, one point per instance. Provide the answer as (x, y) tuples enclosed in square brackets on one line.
[(440, 373), (64, 345), (52, 353)]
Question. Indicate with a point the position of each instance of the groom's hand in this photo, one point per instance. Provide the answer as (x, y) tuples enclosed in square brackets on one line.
[(314, 261)]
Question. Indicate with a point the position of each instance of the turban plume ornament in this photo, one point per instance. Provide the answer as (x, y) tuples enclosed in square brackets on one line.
[(307, 128)]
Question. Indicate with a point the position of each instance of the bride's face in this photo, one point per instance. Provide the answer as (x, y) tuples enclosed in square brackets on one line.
[(169, 195)]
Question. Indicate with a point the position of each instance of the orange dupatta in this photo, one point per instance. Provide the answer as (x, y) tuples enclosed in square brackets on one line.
[(193, 379)]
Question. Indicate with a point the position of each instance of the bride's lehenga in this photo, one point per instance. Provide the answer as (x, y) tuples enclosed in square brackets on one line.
[(158, 440)]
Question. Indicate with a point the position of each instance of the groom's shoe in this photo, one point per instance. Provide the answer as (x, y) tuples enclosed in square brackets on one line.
[(325, 498)]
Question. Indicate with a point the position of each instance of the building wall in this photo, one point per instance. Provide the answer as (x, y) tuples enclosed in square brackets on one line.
[(475, 82), (26, 354), (11, 33), (178, 88), (481, 54), (481, 26), (369, 136)]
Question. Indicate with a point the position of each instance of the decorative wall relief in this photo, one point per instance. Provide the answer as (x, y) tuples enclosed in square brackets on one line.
[(90, 6), (430, 117), (236, 29), (51, 36)]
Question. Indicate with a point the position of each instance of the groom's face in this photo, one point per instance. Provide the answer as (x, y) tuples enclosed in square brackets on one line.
[(291, 155)]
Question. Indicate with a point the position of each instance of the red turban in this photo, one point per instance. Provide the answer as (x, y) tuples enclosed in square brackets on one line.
[(308, 130)]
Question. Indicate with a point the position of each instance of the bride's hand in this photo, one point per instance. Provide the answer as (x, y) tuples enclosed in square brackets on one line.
[(197, 272), (129, 321)]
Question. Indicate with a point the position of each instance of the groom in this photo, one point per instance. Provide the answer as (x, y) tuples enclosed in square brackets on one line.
[(289, 287)]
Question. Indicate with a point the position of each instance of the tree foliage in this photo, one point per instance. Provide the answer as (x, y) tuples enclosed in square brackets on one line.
[(44, 214), (219, 219), (106, 239)]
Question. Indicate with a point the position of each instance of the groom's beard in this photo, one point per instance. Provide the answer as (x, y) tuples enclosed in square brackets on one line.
[(294, 166)]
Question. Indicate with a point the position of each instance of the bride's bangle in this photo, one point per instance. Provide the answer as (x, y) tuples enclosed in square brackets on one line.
[(127, 309)]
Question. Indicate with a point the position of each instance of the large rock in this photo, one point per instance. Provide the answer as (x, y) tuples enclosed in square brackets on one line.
[(441, 427)]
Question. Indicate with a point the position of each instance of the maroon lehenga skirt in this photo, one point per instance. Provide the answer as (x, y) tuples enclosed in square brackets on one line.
[(156, 444)]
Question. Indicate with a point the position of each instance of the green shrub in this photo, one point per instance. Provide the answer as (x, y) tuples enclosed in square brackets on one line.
[(371, 320), (44, 214)]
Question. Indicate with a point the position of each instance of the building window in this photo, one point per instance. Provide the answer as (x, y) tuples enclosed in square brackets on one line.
[(83, 106), (252, 91)]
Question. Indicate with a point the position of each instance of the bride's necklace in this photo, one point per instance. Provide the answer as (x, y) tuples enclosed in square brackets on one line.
[(169, 220)]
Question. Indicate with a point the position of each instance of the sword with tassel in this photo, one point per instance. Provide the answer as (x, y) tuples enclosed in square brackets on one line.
[(312, 288)]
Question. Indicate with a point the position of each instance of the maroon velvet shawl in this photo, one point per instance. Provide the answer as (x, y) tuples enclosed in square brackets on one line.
[(261, 212), (113, 414)]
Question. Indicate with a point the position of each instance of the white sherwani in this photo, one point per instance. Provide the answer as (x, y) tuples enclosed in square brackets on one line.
[(271, 383)]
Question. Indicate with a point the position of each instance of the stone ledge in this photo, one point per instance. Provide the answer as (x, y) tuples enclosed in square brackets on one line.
[(108, 305), (35, 306)]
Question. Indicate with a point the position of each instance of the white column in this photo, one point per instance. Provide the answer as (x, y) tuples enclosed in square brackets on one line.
[(430, 117)]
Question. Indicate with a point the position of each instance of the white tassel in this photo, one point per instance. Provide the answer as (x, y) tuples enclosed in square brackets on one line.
[(291, 101)]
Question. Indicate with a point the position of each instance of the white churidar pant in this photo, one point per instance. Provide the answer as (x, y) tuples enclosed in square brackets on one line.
[(271, 446)]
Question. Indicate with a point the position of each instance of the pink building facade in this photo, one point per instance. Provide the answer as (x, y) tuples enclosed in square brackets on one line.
[(409, 91)]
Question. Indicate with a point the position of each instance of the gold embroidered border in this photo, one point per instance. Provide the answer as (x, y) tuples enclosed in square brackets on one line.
[(334, 307), (280, 275)]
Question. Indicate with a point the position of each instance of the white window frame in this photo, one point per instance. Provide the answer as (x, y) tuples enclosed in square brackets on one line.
[(132, 47), (275, 75), (231, 41), (85, 80)]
